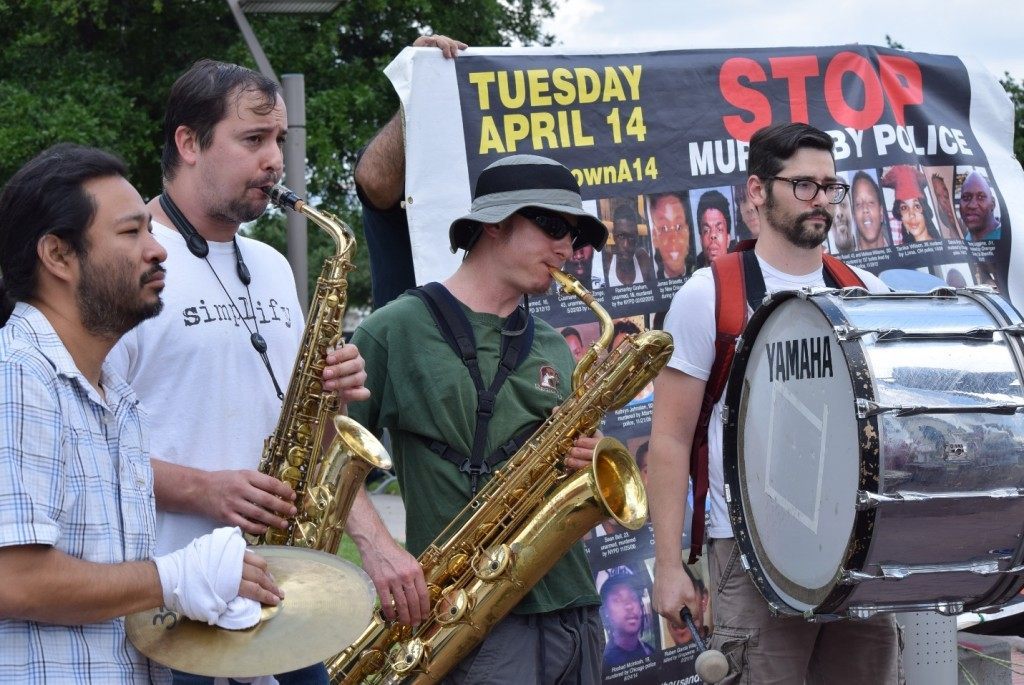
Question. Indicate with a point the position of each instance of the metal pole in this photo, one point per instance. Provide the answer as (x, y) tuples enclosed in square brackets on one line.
[(294, 86), (250, 39)]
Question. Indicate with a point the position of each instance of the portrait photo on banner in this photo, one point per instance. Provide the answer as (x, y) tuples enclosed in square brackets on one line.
[(627, 255)]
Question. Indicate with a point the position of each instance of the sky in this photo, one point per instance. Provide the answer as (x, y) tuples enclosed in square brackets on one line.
[(988, 30)]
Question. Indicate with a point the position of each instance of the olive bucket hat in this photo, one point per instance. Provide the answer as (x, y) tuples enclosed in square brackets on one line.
[(520, 181)]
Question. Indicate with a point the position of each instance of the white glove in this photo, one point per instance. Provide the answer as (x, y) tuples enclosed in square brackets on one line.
[(201, 580)]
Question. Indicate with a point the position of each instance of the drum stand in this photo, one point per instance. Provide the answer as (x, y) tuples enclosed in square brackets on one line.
[(929, 652)]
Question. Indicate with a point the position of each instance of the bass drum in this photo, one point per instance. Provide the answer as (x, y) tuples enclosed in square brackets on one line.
[(874, 452)]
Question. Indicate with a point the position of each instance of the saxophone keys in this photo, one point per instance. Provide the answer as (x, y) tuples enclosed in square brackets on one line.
[(452, 607), (303, 433), (305, 535), (490, 564), (297, 456), (457, 565), (290, 475), (409, 656)]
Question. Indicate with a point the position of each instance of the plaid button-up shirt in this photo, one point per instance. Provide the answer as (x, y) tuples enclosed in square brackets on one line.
[(74, 475)]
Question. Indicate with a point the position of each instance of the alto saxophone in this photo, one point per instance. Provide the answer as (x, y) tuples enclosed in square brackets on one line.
[(325, 481), (521, 522)]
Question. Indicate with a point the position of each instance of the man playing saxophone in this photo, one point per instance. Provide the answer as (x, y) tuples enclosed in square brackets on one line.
[(211, 367), (450, 430)]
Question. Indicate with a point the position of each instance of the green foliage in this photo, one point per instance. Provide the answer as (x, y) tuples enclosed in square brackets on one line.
[(271, 228), (1015, 89), (890, 42), (97, 72)]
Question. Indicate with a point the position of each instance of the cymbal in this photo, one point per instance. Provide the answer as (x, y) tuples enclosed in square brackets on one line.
[(327, 605)]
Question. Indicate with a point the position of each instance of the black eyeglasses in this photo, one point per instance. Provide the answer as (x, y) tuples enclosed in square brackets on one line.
[(806, 190), (553, 224)]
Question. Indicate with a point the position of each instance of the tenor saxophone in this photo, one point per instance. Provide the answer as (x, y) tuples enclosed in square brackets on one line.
[(521, 522), (325, 481)]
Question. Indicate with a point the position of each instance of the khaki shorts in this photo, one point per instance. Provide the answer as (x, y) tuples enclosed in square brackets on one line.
[(762, 648)]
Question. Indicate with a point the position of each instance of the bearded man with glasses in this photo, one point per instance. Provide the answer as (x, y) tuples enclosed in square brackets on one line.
[(793, 185)]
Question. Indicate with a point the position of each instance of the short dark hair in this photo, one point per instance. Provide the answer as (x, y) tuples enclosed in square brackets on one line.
[(619, 579), (770, 147), (626, 213), (625, 326), (46, 197), (569, 330), (199, 100), (713, 199), (654, 198)]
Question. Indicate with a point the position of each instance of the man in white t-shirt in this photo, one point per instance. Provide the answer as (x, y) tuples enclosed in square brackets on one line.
[(760, 647), (212, 367)]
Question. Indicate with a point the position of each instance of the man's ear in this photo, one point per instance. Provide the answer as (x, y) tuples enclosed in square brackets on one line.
[(757, 190), (187, 142), (56, 257)]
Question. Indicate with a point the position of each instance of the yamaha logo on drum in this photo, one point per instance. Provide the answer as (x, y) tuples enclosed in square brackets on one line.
[(799, 359)]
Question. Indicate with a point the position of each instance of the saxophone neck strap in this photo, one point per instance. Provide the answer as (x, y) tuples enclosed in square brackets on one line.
[(454, 326)]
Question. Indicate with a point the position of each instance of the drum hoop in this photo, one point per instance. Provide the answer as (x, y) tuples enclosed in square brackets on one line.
[(858, 547)]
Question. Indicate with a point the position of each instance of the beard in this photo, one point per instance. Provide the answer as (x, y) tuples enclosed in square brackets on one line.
[(110, 299), (239, 211), (799, 230)]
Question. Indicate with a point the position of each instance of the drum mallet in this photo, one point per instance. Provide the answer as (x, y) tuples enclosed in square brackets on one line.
[(711, 665)]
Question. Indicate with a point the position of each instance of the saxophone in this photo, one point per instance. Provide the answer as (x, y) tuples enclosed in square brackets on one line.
[(325, 481), (521, 522)]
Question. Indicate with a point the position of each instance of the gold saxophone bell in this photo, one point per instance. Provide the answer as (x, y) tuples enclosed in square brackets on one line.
[(482, 565)]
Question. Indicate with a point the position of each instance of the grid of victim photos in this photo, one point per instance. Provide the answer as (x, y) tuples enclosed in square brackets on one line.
[(640, 646), (941, 220)]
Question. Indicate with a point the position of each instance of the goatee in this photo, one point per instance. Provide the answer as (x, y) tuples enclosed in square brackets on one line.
[(806, 230)]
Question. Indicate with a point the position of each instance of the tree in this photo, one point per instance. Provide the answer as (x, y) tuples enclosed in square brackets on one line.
[(1015, 89), (98, 72)]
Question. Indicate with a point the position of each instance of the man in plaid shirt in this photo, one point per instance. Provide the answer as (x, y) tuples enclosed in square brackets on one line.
[(80, 268)]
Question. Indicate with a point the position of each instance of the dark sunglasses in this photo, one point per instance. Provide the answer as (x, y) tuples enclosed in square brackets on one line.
[(552, 223)]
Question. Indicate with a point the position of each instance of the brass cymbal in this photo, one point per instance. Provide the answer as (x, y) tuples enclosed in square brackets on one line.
[(327, 604)]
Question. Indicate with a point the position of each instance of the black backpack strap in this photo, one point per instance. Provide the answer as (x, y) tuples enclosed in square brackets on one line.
[(453, 324), (458, 333), (753, 280), (503, 453)]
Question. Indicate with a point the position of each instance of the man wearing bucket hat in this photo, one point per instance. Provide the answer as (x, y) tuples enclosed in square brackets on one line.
[(526, 217)]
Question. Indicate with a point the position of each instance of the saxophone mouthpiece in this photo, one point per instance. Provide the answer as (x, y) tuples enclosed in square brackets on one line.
[(283, 197)]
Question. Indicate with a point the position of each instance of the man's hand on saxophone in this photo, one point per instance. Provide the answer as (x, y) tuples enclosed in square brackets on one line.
[(244, 497), (396, 574), (582, 453), (345, 373)]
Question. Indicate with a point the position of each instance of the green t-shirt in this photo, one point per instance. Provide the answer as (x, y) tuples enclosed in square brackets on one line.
[(420, 387)]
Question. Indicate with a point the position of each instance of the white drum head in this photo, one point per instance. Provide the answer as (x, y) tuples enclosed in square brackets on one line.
[(797, 452)]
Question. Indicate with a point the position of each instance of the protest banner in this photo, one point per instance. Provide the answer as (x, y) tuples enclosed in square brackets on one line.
[(658, 143)]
